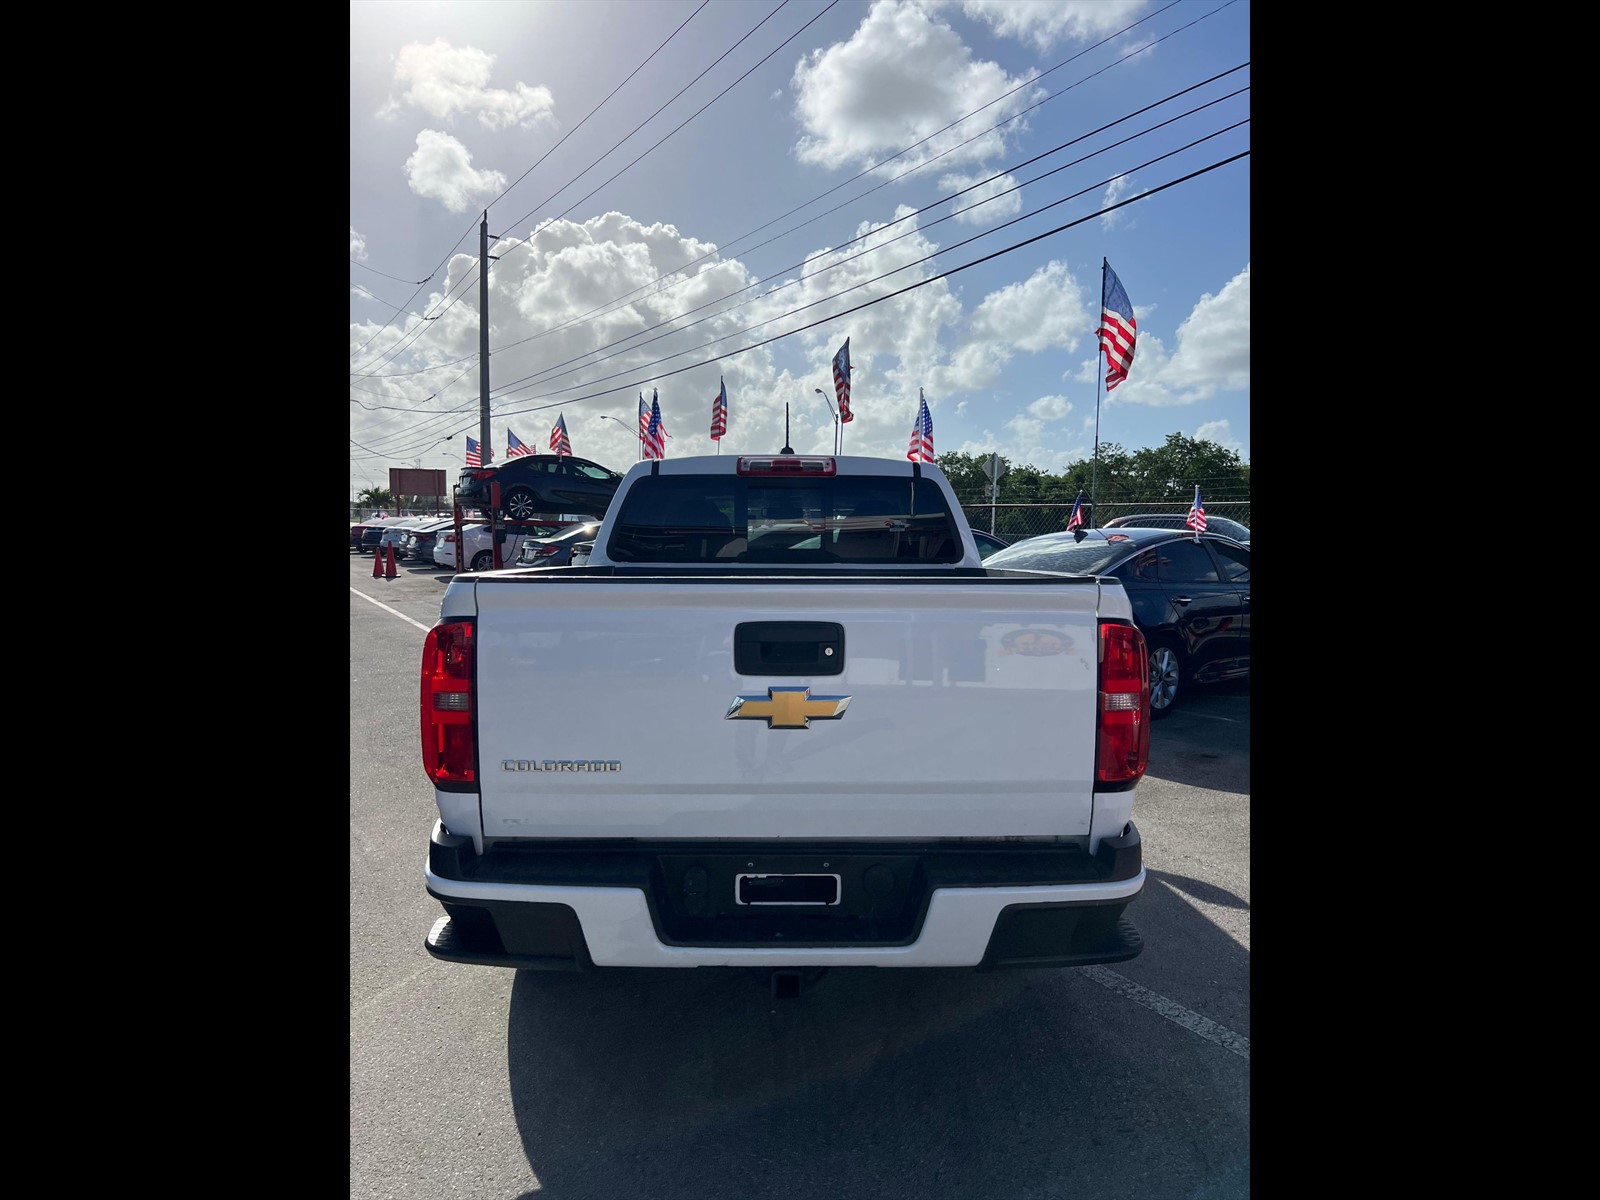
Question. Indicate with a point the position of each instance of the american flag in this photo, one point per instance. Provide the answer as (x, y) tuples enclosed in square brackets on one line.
[(655, 434), (841, 382), (515, 447), (644, 423), (922, 434), (1075, 521), (1196, 520), (474, 459), (559, 441), (719, 412), (1118, 329)]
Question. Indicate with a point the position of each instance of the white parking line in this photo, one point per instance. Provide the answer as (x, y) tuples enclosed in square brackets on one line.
[(1175, 1013), (386, 608)]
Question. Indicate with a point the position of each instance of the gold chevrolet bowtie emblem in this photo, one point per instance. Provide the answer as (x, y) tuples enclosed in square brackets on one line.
[(788, 708)]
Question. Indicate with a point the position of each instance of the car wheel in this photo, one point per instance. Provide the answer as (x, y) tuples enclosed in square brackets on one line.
[(1166, 678), (519, 504), (483, 560)]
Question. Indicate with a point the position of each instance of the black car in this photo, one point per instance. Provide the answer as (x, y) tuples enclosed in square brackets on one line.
[(1239, 533), (988, 543), (1191, 598), (541, 485)]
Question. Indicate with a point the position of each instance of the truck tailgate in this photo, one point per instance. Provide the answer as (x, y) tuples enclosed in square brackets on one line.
[(603, 709)]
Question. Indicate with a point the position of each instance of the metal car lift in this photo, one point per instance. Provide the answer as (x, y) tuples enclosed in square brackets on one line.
[(497, 530)]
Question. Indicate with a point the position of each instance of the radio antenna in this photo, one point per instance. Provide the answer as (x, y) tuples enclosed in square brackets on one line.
[(787, 449)]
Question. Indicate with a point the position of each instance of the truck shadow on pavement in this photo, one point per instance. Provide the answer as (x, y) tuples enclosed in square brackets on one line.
[(896, 1083)]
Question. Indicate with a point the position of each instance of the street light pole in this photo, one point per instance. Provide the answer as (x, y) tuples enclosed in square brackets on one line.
[(630, 429), (835, 413)]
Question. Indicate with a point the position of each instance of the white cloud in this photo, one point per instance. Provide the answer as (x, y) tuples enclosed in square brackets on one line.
[(358, 244), (1214, 342), (1221, 432), (978, 207), (550, 347), (444, 80), (902, 77), (1046, 309), (1050, 408), (1046, 22), (441, 168), (1117, 190), (569, 269)]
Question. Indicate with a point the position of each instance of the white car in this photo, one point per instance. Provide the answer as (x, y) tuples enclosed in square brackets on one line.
[(477, 551)]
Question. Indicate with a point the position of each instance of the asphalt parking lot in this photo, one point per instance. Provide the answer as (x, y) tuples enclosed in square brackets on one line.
[(1128, 1082)]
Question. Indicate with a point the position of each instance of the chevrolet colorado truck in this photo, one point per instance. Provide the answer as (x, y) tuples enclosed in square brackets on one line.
[(784, 719)]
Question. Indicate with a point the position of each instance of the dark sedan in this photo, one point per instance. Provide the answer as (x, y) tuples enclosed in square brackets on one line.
[(417, 546), (535, 485), (555, 551), (1191, 598)]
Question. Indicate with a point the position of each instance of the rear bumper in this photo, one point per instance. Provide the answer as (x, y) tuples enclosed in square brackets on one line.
[(578, 907)]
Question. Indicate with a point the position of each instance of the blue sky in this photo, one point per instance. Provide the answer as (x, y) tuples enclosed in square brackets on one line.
[(628, 262)]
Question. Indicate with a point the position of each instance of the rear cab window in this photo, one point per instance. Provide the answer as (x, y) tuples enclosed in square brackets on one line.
[(721, 519)]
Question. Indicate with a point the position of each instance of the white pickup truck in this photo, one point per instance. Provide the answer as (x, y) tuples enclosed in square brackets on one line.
[(784, 719)]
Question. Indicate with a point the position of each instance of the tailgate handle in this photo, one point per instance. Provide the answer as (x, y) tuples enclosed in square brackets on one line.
[(788, 648)]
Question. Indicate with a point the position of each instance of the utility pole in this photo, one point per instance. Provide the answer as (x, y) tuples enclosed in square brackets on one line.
[(483, 340)]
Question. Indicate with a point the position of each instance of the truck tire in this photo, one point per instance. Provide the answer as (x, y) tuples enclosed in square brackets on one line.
[(1166, 678), (483, 560)]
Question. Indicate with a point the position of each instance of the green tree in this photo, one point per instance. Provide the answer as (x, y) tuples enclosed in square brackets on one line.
[(375, 497)]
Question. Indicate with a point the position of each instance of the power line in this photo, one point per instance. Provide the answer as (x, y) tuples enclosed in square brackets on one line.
[(623, 300), (663, 138), (697, 77), (905, 266), (874, 233), (1097, 215), (723, 247)]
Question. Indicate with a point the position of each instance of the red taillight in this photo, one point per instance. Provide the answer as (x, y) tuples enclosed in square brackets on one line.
[(545, 551), (484, 474), (1122, 742), (449, 742), (784, 465)]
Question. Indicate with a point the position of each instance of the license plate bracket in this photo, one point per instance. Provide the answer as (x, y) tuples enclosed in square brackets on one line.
[(818, 890)]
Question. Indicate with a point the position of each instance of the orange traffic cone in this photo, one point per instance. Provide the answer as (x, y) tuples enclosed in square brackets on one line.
[(377, 563), (389, 571)]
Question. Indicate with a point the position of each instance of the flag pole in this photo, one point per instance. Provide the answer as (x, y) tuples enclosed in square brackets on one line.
[(1099, 370)]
